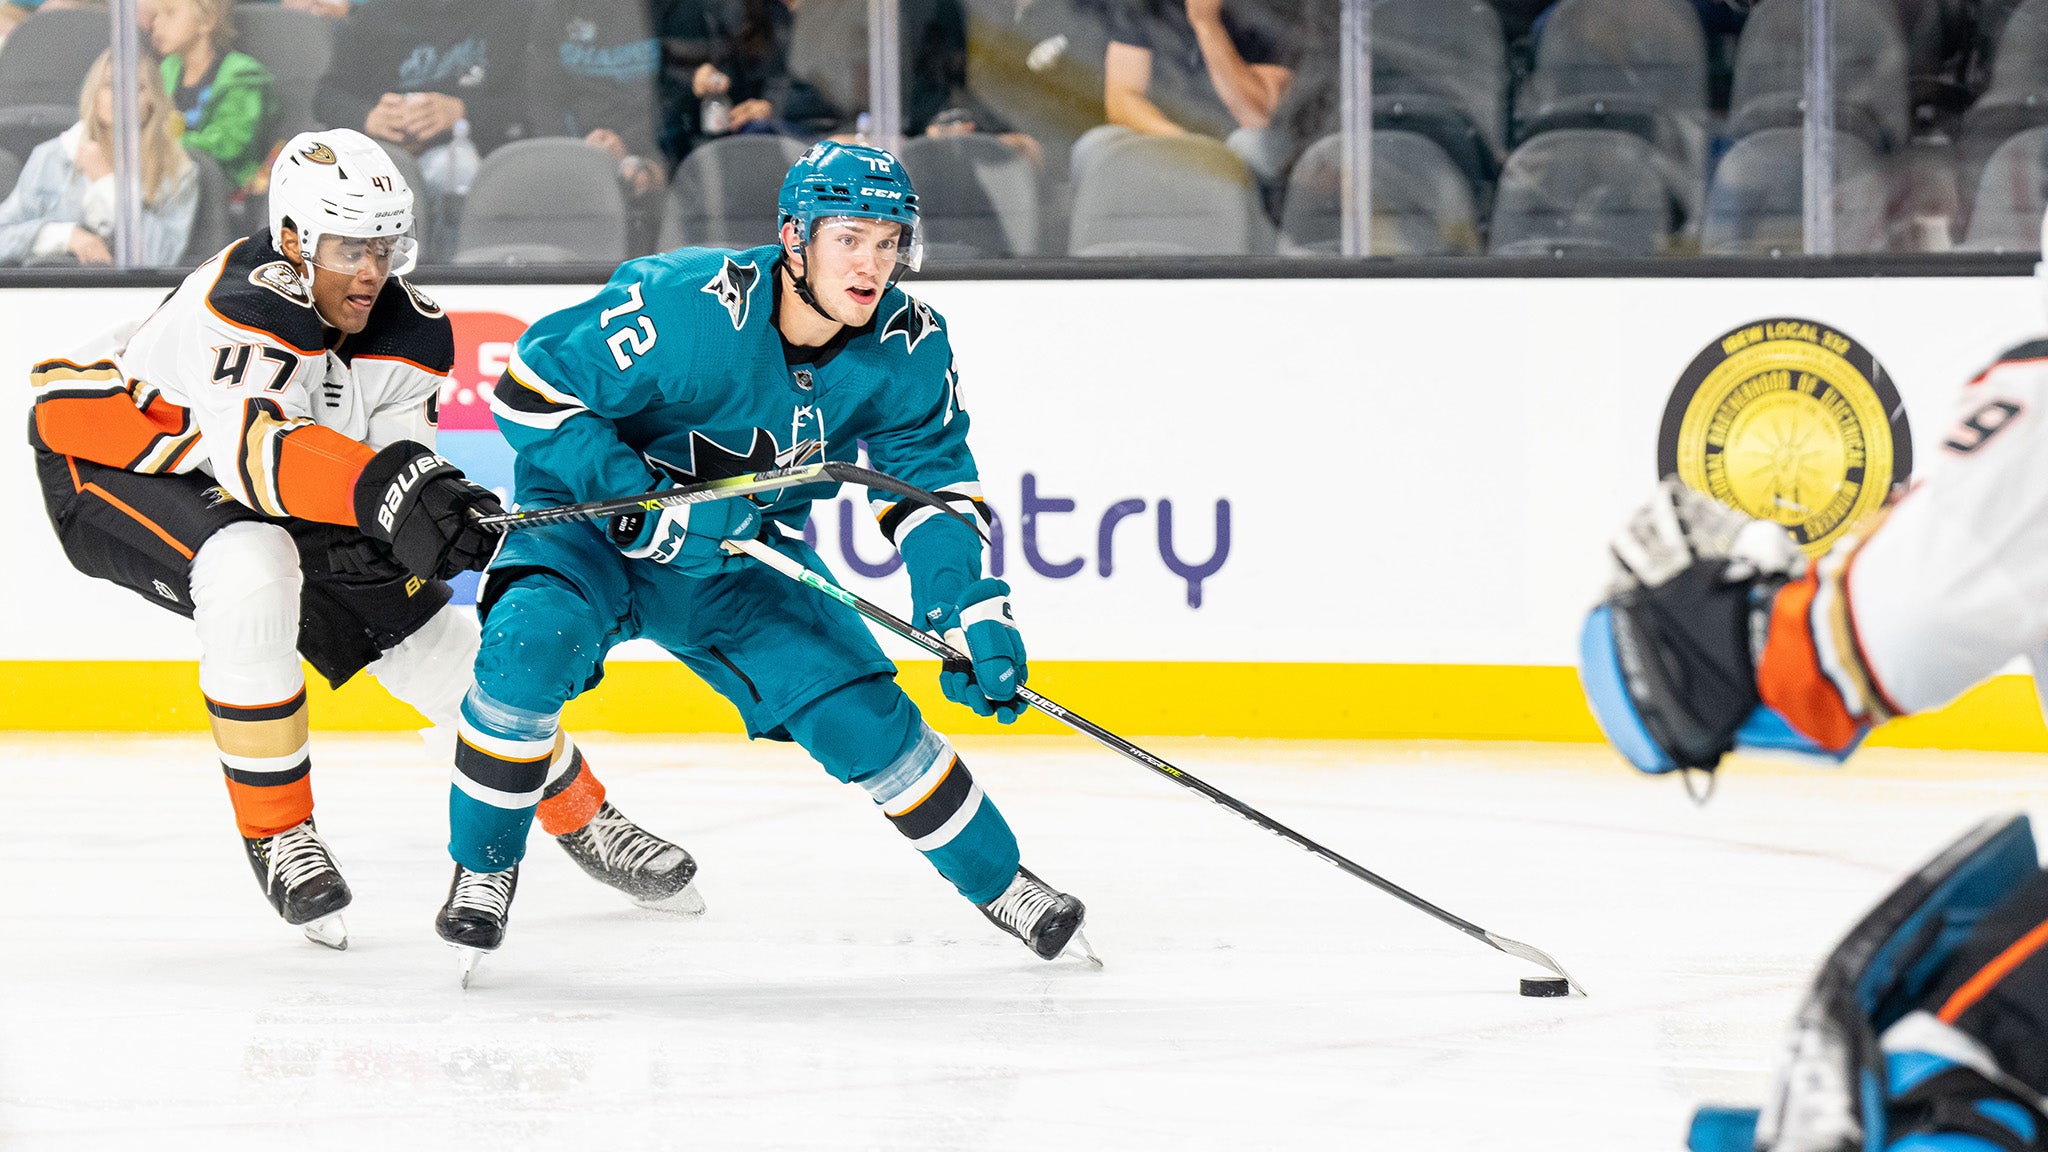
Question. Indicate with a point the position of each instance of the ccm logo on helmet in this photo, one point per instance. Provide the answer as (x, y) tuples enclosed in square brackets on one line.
[(882, 193), (394, 494)]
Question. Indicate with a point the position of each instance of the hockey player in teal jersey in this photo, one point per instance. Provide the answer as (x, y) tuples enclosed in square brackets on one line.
[(699, 364)]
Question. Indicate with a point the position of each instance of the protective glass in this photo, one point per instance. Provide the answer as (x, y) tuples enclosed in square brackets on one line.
[(349, 255), (895, 251)]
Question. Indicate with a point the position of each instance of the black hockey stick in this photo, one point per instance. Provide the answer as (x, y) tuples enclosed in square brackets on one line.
[(937, 647), (743, 485)]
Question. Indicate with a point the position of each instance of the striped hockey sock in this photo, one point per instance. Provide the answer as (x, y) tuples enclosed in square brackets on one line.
[(265, 757), (502, 754), (573, 793), (932, 799)]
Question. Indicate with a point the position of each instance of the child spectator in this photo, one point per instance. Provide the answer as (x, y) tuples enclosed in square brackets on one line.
[(223, 95), (63, 207)]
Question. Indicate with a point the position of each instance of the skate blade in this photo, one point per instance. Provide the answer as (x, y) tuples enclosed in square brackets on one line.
[(328, 930), (472, 961), (686, 902), (1086, 952)]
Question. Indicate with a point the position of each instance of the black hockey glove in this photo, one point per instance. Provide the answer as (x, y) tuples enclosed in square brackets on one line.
[(417, 502)]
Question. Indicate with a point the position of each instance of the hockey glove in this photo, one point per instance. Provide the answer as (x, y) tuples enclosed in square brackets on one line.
[(983, 626), (687, 537), (414, 500)]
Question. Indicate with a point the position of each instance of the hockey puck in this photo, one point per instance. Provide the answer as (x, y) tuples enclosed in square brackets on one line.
[(1546, 986)]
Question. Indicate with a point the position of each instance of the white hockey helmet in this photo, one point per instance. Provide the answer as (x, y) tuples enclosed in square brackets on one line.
[(338, 182)]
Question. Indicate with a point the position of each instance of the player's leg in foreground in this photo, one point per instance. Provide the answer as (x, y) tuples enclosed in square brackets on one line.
[(1718, 633)]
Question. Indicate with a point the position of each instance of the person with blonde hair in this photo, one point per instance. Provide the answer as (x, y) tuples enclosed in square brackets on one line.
[(64, 203), (223, 95)]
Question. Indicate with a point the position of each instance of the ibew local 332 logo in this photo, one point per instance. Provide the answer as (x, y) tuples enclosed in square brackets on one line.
[(1792, 421)]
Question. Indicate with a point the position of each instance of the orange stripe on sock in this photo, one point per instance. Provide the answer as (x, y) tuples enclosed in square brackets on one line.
[(1988, 977), (268, 811), (572, 807), (1789, 677)]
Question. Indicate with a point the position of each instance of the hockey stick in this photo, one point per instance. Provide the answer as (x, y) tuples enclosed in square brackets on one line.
[(743, 485), (937, 647)]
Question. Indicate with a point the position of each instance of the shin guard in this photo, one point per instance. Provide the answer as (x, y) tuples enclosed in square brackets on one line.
[(266, 758)]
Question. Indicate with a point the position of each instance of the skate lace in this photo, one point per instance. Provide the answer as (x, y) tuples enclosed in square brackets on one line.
[(488, 892), (622, 844), (297, 855), (1021, 907)]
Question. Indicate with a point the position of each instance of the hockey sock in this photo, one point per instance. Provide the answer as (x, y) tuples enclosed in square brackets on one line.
[(502, 755), (264, 755), (932, 799), (572, 794)]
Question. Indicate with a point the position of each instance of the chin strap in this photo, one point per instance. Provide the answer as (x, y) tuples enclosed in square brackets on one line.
[(803, 289)]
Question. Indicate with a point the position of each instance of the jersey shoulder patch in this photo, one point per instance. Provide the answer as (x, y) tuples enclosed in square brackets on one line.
[(732, 285), (258, 290), (2031, 350), (405, 325), (913, 320)]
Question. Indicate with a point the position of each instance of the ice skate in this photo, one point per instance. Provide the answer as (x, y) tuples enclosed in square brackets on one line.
[(473, 919), (299, 878), (620, 853), (1046, 920)]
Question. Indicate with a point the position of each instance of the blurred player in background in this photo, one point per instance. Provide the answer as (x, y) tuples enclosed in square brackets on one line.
[(1717, 634), (257, 457), (701, 364)]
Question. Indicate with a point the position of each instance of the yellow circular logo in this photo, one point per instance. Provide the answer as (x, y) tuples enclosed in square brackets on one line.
[(1790, 421)]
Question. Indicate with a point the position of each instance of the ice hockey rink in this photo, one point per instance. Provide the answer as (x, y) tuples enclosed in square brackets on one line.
[(838, 995)]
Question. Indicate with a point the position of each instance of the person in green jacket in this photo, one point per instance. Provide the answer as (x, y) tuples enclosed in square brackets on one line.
[(223, 95)]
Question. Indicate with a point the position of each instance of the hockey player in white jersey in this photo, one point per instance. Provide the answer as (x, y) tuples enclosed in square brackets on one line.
[(1718, 634), (257, 456)]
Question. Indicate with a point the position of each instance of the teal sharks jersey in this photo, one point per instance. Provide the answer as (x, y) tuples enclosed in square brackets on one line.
[(677, 372)]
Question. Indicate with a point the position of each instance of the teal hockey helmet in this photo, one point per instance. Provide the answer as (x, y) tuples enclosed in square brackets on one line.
[(833, 180)]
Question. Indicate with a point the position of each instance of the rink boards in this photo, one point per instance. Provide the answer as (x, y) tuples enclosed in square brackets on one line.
[(1355, 508)]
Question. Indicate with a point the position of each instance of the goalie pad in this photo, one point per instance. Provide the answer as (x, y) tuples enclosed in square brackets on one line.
[(1925, 1086)]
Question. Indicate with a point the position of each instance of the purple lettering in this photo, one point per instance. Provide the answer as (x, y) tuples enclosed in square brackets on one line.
[(1034, 506), (1106, 534), (848, 549), (1194, 574)]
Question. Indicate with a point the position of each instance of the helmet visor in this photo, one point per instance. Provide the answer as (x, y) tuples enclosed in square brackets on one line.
[(895, 246), (349, 255)]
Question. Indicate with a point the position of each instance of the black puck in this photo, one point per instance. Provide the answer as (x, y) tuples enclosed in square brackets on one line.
[(1546, 986)]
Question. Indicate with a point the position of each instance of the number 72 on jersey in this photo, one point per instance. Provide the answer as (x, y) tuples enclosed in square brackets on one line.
[(639, 338)]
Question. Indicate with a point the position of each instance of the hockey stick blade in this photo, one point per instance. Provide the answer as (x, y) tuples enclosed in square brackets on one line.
[(937, 647), (748, 484)]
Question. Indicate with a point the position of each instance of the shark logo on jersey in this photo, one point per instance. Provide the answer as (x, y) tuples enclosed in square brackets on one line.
[(914, 321), (710, 460), (734, 287), (281, 278)]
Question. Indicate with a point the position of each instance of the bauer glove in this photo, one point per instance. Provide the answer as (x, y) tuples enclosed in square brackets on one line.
[(687, 537), (982, 626), (419, 504)]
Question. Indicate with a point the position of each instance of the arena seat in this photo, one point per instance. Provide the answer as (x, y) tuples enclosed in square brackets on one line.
[(549, 200), (1582, 192), (1167, 196), (10, 172), (1756, 205), (1450, 49), (723, 193), (211, 229), (1421, 204), (1870, 71), (976, 197), (297, 48), (2011, 197), (42, 67)]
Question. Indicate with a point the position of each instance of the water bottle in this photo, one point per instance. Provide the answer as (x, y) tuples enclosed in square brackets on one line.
[(716, 119), (463, 160)]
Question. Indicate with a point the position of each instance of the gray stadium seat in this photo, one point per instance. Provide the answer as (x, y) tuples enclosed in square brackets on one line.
[(211, 229), (977, 198), (2018, 96), (296, 47), (10, 172), (1449, 49), (42, 67), (1582, 192), (1634, 65), (723, 193), (2011, 197), (1421, 204), (1167, 196), (1870, 69), (1756, 206), (408, 167), (551, 200)]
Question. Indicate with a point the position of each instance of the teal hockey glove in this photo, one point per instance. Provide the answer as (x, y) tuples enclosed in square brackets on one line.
[(686, 537), (982, 626)]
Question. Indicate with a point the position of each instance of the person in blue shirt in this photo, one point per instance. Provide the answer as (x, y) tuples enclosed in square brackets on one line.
[(699, 364)]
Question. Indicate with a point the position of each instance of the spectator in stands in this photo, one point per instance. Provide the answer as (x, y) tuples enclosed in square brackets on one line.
[(1034, 73), (597, 74), (332, 9), (1212, 67), (408, 71), (799, 67), (223, 95), (63, 207)]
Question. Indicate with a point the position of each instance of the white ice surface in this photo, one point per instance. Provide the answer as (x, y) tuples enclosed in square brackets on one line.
[(839, 996)]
